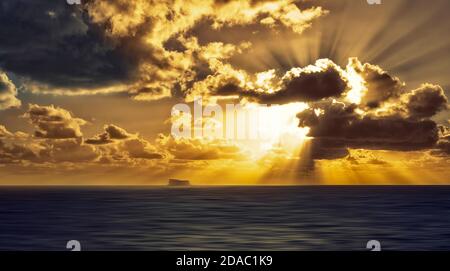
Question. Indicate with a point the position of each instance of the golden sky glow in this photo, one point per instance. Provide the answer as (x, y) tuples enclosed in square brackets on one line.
[(347, 93)]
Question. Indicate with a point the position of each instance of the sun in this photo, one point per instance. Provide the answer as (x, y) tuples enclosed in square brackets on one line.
[(277, 128)]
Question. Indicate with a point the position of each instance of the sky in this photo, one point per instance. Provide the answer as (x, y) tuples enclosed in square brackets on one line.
[(347, 93)]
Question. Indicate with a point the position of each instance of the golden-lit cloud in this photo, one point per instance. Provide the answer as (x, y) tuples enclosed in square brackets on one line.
[(315, 128), (54, 122), (8, 93), (58, 139), (201, 149), (115, 143), (378, 85), (125, 46), (4, 132), (66, 150), (172, 17), (386, 114), (338, 105)]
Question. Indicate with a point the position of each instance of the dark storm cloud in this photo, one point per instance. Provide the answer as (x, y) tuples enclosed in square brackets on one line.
[(312, 83), (56, 44), (321, 149), (306, 86), (426, 101), (228, 89), (388, 117), (443, 145), (340, 126), (124, 46)]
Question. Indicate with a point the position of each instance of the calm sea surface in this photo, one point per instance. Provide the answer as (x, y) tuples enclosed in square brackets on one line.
[(225, 218)]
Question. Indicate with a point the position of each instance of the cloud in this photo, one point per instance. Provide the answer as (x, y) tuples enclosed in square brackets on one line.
[(111, 132), (4, 132), (67, 150), (340, 125), (21, 148), (322, 80), (99, 139), (120, 144), (365, 158), (200, 149), (140, 148), (443, 145), (59, 140), (55, 45), (379, 85), (16, 153), (426, 101), (364, 84), (320, 149), (54, 122), (359, 106), (171, 17), (124, 46), (8, 93), (16, 148), (374, 112), (367, 86)]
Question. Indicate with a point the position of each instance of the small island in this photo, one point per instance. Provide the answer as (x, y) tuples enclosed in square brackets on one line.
[(177, 182)]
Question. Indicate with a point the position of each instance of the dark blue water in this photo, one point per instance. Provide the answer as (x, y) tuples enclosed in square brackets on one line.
[(225, 218)]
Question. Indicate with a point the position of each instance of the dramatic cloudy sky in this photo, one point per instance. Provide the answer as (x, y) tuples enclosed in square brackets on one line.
[(358, 93)]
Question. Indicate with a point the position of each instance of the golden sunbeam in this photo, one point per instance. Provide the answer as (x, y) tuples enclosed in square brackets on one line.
[(237, 92)]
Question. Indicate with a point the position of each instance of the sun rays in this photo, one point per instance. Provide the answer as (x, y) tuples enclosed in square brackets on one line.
[(290, 92)]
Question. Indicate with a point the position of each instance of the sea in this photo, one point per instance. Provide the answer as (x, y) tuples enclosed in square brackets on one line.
[(297, 218)]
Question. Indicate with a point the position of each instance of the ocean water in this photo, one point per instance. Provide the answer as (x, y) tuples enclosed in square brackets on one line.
[(225, 218)]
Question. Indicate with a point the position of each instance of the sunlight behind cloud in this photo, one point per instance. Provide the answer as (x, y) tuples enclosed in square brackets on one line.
[(357, 85)]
